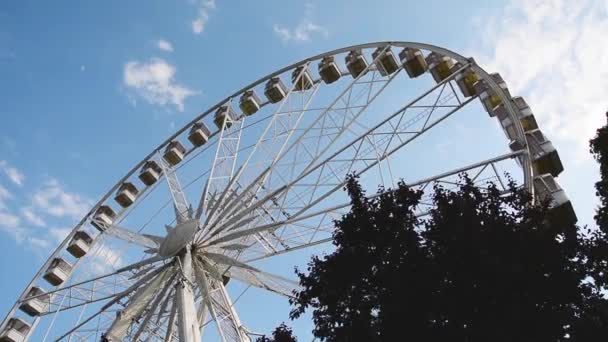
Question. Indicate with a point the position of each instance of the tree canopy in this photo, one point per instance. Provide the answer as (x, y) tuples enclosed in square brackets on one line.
[(599, 149), (281, 334), (482, 266)]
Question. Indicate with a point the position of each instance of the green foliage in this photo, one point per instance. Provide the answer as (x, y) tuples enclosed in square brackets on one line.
[(599, 149), (482, 266), (281, 334)]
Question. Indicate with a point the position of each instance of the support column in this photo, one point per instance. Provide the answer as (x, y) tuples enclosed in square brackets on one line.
[(187, 324)]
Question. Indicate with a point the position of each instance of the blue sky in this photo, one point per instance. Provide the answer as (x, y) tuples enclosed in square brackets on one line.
[(89, 88)]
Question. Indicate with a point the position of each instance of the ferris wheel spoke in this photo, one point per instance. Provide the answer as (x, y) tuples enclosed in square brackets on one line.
[(93, 290), (180, 203), (151, 310), (270, 142), (346, 161), (136, 306), (135, 287), (143, 240), (226, 317), (263, 280), (224, 162)]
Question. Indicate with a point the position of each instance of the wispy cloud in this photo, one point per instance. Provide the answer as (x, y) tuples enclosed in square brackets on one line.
[(31, 217), (10, 224), (154, 81), (204, 9), (303, 31), (164, 45), (12, 173), (4, 195), (554, 51), (59, 233), (53, 200), (38, 243)]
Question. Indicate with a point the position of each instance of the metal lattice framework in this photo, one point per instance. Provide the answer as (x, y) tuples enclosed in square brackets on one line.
[(266, 182)]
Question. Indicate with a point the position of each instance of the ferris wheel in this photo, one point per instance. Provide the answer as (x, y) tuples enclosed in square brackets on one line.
[(168, 251)]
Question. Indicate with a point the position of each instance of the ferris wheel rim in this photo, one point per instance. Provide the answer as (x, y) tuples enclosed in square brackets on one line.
[(400, 44)]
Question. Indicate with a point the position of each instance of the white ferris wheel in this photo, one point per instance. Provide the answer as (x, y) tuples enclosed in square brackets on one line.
[(168, 251)]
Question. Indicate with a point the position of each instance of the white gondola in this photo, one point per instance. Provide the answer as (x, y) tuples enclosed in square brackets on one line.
[(37, 305), (16, 330), (490, 100), (224, 113), (301, 79), (275, 90), (386, 63), (80, 244), (466, 81), (199, 134), (413, 62), (249, 102), (104, 216), (355, 63), (174, 152), (150, 172), (59, 271), (441, 67), (328, 69), (524, 113), (546, 188), (126, 194), (545, 158)]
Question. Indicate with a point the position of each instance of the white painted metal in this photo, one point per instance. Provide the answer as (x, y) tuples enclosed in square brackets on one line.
[(259, 200)]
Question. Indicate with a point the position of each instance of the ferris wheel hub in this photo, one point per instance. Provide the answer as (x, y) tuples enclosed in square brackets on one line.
[(178, 237)]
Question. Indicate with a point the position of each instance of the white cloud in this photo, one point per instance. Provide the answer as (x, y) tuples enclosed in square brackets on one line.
[(31, 217), (10, 224), (8, 220), (164, 45), (204, 8), (554, 52), (55, 201), (12, 173), (104, 259), (155, 82), (303, 31), (38, 243), (59, 234), (4, 195)]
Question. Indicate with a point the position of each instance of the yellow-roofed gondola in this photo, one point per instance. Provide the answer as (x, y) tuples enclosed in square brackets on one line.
[(104, 217), (440, 66), (59, 270), (545, 158), (386, 63), (80, 244), (355, 63), (249, 102), (199, 134), (174, 152), (413, 62), (126, 194), (546, 188), (328, 69), (275, 90), (301, 79), (224, 114), (36, 302), (150, 172), (16, 330)]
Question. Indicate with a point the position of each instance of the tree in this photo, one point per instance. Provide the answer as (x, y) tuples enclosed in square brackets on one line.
[(599, 149), (281, 334), (482, 266)]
